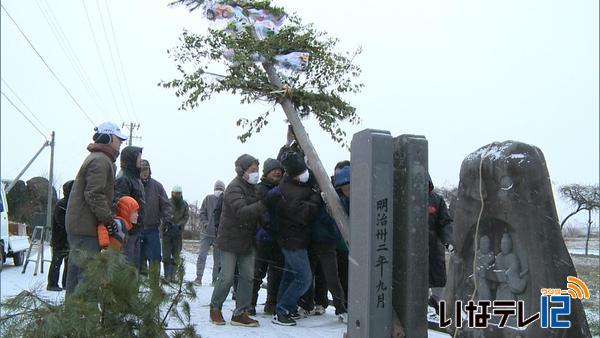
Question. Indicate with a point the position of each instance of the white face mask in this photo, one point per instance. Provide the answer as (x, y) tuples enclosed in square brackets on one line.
[(303, 178), (218, 192), (253, 178)]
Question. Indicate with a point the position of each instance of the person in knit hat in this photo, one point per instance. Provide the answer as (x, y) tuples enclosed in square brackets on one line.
[(209, 221), (91, 199), (242, 211), (297, 209), (269, 259)]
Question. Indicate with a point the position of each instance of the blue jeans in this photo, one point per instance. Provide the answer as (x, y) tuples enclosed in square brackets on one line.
[(150, 245), (296, 280)]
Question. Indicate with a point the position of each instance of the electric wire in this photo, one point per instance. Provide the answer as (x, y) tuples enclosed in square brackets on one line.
[(69, 52), (48, 66), (25, 116), (28, 109), (121, 62), (101, 61), (112, 60)]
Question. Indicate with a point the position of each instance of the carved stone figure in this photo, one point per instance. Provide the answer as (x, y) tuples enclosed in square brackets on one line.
[(505, 194), (485, 262)]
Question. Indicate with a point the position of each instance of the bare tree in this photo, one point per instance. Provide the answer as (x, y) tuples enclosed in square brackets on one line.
[(583, 197), (450, 194)]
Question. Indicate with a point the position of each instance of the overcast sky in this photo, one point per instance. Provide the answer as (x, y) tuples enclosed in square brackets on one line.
[(461, 73)]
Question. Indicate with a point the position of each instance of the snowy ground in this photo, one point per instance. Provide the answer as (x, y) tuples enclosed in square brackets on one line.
[(12, 282)]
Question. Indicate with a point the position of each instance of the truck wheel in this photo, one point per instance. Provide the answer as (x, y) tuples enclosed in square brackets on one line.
[(18, 258)]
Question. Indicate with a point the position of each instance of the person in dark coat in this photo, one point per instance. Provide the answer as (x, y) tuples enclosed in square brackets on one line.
[(173, 232), (297, 209), (269, 259), (242, 212), (91, 199), (157, 211), (440, 237), (59, 242), (130, 184)]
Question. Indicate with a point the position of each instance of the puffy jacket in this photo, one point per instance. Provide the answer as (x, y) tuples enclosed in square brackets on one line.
[(242, 212), (130, 184), (93, 191), (181, 212), (296, 211)]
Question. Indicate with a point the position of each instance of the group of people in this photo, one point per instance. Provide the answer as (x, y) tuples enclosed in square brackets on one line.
[(131, 208), (272, 224)]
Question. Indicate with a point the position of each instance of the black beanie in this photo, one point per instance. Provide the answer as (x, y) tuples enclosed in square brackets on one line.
[(293, 164), (244, 162), (271, 164)]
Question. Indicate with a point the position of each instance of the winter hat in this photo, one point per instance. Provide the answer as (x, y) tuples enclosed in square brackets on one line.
[(145, 164), (219, 185), (177, 188), (271, 164), (342, 177), (293, 164), (125, 206), (104, 130), (244, 162)]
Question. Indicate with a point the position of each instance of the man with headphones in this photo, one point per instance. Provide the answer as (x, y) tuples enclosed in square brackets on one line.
[(91, 199)]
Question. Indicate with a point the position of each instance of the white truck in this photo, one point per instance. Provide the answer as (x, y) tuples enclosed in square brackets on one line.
[(11, 245)]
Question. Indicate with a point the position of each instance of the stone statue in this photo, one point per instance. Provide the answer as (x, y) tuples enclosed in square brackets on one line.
[(507, 272), (485, 262)]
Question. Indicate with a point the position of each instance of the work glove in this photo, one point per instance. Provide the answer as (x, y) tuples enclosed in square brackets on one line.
[(112, 227), (271, 198)]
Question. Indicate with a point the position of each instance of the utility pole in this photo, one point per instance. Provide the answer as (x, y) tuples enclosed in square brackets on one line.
[(131, 126)]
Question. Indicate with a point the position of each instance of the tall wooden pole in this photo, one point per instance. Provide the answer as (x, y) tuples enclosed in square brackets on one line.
[(331, 198)]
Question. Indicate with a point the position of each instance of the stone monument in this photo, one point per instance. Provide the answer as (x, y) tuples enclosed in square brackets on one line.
[(508, 241)]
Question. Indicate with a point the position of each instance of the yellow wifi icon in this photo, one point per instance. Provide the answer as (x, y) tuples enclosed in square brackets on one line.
[(577, 288)]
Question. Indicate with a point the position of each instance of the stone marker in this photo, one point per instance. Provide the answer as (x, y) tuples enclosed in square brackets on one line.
[(411, 231), (371, 235), (520, 249)]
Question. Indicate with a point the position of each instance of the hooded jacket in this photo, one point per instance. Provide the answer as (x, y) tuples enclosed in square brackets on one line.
[(92, 193), (130, 184), (59, 233), (157, 209), (440, 233)]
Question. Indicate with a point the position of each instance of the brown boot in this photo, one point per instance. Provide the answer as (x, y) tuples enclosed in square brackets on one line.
[(216, 317), (243, 320)]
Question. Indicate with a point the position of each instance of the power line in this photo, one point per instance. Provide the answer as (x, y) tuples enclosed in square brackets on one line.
[(48, 66), (121, 62), (23, 103), (112, 60), (69, 52), (25, 116), (101, 61)]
